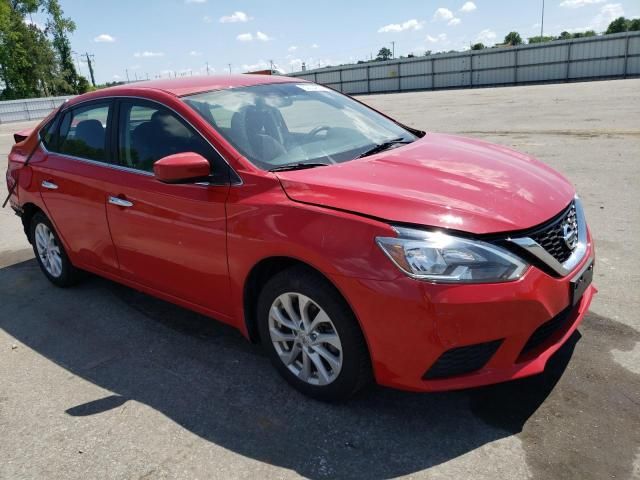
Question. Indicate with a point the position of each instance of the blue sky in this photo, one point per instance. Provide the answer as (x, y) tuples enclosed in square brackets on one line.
[(165, 37)]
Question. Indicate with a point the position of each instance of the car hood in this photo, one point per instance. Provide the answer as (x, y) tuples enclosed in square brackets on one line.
[(441, 181)]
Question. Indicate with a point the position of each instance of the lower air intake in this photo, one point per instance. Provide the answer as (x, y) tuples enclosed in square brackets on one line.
[(460, 360)]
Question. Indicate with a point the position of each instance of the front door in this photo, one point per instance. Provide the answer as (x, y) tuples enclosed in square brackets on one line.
[(171, 238)]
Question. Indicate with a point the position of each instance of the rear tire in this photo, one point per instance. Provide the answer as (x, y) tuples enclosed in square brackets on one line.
[(50, 253), (311, 335)]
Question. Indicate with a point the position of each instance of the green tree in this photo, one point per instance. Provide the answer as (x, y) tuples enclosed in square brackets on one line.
[(478, 46), (539, 39), (513, 38), (20, 49), (59, 26), (634, 25), (620, 24), (384, 54), (568, 36), (36, 61)]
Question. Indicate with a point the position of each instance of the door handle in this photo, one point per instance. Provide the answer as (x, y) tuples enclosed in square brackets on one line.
[(120, 202), (49, 185)]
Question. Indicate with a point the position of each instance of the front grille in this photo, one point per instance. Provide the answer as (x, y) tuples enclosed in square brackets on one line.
[(461, 360), (546, 330), (551, 236)]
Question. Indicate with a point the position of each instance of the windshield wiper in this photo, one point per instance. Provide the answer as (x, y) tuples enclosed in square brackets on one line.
[(383, 146), (298, 166)]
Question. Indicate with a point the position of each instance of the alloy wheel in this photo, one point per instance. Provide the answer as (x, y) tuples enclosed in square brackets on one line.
[(48, 250), (305, 339)]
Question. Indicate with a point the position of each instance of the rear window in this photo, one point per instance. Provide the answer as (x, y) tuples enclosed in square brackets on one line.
[(49, 134), (82, 132)]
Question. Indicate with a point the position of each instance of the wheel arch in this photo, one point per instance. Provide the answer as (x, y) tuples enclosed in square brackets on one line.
[(28, 211), (261, 272)]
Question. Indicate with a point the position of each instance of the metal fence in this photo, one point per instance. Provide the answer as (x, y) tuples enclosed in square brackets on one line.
[(28, 109), (591, 58)]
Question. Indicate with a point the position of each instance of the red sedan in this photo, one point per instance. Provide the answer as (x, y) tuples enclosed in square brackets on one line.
[(351, 246)]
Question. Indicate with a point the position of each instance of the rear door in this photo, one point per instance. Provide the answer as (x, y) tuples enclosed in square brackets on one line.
[(171, 238), (78, 165)]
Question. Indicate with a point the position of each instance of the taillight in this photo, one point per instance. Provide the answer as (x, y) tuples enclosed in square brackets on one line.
[(12, 178)]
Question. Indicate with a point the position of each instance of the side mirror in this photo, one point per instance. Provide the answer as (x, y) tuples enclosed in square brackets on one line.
[(181, 167)]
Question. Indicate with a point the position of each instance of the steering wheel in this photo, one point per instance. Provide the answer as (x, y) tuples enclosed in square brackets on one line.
[(317, 130)]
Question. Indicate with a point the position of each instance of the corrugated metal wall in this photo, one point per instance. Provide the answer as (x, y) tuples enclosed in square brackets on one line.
[(29, 109), (609, 56)]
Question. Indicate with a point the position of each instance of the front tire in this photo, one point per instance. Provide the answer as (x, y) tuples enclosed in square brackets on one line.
[(311, 335), (50, 253)]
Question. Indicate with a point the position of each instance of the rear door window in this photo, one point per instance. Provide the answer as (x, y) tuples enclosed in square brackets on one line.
[(83, 132)]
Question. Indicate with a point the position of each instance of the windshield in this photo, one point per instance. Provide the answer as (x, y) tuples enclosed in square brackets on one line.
[(276, 125)]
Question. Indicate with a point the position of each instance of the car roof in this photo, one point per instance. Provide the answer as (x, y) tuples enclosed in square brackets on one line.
[(189, 85)]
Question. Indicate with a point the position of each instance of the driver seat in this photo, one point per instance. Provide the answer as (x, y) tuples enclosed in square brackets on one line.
[(261, 131)]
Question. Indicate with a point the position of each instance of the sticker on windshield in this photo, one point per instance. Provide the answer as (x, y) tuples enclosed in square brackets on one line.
[(312, 87)]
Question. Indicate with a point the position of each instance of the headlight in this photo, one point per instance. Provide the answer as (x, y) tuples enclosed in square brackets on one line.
[(442, 258)]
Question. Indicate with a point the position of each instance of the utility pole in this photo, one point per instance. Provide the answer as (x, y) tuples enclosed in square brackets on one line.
[(89, 57), (393, 49), (127, 73), (542, 22), (271, 66), (229, 69), (207, 68)]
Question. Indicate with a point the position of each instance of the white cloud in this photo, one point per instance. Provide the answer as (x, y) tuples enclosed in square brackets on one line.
[(148, 54), (412, 24), (104, 38), (116, 77), (263, 37), (235, 17), (195, 53), (577, 29), (442, 14), (468, 7), (260, 65), (292, 48), (486, 36), (207, 19), (454, 21), (39, 26), (195, 1), (442, 37), (249, 37), (608, 13), (245, 37), (579, 3), (315, 45)]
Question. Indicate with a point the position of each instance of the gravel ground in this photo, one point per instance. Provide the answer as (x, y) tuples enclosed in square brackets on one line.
[(101, 381)]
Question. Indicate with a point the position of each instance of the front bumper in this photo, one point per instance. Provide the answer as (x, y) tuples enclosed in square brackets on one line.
[(410, 324)]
